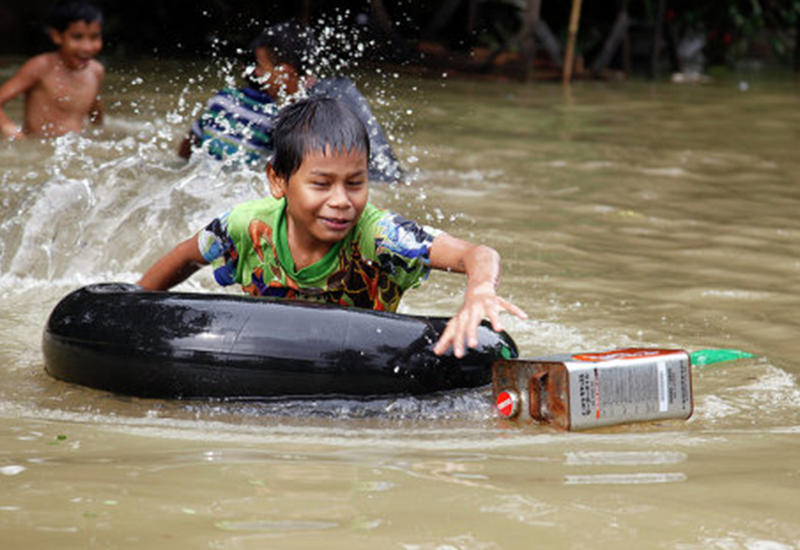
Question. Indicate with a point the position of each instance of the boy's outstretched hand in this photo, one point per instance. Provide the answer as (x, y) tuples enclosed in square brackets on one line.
[(480, 303), (482, 267)]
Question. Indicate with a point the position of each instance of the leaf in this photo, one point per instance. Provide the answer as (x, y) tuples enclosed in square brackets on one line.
[(704, 357)]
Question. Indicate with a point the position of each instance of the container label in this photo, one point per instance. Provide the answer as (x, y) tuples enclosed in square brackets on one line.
[(663, 397), (585, 393), (627, 353), (626, 390)]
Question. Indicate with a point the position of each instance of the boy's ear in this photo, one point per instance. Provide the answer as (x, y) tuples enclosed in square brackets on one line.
[(277, 185), (55, 36), (263, 59)]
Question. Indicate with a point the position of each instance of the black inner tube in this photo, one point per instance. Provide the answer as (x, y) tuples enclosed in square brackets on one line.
[(120, 338)]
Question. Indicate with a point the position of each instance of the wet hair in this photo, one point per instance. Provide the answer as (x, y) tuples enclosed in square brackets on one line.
[(287, 43), (314, 125), (65, 12)]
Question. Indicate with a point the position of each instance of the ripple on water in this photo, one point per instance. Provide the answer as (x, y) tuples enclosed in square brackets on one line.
[(275, 525)]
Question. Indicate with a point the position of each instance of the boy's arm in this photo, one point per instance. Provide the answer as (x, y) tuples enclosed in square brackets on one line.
[(188, 143), (482, 266), (21, 82), (97, 111), (174, 267)]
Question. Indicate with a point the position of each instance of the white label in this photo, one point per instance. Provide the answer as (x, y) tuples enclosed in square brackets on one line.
[(663, 389), (609, 392)]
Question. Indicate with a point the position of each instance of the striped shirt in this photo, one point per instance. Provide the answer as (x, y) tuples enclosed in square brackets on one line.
[(238, 121)]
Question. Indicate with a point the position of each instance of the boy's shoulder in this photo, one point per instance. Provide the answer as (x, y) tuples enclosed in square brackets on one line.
[(263, 208), (44, 64), (97, 68), (40, 65), (372, 214)]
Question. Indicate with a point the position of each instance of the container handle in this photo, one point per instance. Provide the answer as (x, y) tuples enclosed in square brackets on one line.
[(535, 385)]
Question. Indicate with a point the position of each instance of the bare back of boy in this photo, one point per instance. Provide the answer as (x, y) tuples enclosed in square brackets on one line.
[(58, 99)]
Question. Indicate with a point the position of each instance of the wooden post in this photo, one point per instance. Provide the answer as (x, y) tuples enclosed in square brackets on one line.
[(574, 20), (657, 37)]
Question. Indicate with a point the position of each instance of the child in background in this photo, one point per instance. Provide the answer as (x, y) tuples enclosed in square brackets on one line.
[(61, 88), (240, 120), (318, 238)]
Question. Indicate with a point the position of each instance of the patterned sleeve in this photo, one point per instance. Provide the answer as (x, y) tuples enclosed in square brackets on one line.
[(217, 248), (198, 126), (403, 249), (196, 130)]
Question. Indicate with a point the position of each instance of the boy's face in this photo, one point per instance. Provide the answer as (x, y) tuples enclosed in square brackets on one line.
[(279, 79), (324, 197), (79, 43)]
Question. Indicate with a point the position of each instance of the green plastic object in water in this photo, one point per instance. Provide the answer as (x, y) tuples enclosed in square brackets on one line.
[(704, 357)]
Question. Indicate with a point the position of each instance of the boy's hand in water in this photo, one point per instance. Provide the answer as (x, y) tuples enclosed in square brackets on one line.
[(12, 132), (480, 303)]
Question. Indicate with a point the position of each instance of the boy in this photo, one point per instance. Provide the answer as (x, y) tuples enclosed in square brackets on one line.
[(61, 88), (317, 237), (240, 120)]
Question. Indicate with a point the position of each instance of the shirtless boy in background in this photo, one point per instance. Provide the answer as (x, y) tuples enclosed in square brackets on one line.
[(61, 88)]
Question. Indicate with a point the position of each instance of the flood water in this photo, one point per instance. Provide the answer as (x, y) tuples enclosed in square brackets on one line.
[(627, 214)]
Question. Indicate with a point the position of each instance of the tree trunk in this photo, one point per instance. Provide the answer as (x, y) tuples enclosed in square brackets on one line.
[(440, 19), (532, 12), (305, 11), (617, 36), (797, 44), (549, 42), (626, 43), (380, 17)]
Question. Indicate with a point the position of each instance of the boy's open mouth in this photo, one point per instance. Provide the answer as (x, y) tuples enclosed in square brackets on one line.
[(337, 224), (80, 61)]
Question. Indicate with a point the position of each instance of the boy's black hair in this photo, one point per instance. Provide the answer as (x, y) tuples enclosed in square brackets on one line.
[(287, 43), (314, 124), (65, 12)]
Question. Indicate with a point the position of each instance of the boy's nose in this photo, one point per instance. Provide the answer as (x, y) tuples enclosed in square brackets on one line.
[(338, 196)]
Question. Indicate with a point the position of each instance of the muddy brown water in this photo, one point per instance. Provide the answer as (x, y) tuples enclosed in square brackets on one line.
[(630, 214)]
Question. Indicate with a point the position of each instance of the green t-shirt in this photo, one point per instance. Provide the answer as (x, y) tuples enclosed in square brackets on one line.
[(380, 258)]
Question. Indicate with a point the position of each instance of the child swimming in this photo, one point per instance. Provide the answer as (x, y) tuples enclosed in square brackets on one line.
[(318, 238), (239, 121), (61, 88)]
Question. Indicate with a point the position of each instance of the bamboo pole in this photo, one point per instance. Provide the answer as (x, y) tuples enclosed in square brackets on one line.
[(574, 19)]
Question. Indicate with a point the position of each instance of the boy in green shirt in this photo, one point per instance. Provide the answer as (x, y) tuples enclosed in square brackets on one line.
[(318, 238)]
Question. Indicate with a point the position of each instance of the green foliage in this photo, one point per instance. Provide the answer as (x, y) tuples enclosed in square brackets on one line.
[(743, 28)]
